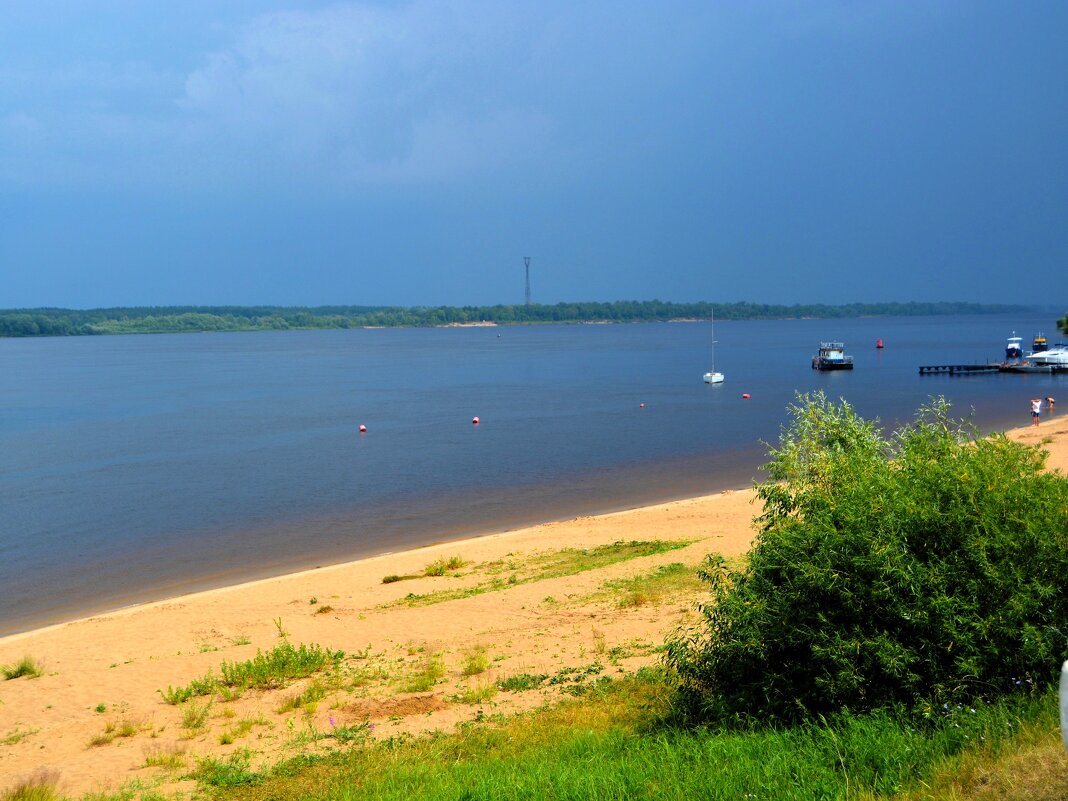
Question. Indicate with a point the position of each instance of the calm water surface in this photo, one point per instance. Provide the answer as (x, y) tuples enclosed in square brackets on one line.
[(138, 467)]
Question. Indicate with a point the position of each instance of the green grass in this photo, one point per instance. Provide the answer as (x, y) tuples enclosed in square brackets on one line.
[(654, 587), (17, 735), (41, 787), (555, 564), (195, 716), (270, 670), (315, 693), (167, 758), (610, 744), (424, 677), (475, 661), (114, 731), (27, 666)]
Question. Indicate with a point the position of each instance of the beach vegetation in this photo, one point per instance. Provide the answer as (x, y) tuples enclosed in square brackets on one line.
[(195, 715), (652, 588), (476, 661), (42, 786), (616, 741), (114, 730), (913, 571), (307, 699), (233, 771), (17, 735), (478, 693), (325, 609), (441, 567), (543, 566), (169, 757), (26, 667), (428, 671), (521, 682)]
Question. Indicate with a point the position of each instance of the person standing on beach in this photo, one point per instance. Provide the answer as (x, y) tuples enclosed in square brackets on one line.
[(1036, 410)]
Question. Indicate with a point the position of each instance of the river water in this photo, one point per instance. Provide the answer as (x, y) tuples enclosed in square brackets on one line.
[(138, 467)]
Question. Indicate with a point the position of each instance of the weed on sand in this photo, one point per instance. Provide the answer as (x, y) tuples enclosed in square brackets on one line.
[(27, 666), (270, 670)]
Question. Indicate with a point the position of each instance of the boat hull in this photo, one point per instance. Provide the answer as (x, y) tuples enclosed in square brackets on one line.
[(713, 378)]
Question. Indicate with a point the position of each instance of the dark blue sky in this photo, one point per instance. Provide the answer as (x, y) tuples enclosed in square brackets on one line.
[(412, 153)]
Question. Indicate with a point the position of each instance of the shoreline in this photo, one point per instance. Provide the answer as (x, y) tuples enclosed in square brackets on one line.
[(206, 586), (106, 673)]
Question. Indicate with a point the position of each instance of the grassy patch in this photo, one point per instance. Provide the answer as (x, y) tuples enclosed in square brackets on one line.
[(609, 744), (269, 670), (41, 787), (234, 771), (17, 735), (424, 677), (652, 588), (441, 567), (475, 661), (171, 758), (114, 730), (27, 666), (555, 564), (477, 693), (195, 716), (521, 682), (308, 699)]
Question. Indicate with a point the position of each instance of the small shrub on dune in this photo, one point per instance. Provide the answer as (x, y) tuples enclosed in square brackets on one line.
[(27, 666), (910, 571)]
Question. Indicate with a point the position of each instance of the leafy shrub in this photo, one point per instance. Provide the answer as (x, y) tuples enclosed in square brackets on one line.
[(913, 570)]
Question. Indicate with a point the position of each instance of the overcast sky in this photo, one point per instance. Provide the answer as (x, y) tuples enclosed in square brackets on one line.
[(412, 153)]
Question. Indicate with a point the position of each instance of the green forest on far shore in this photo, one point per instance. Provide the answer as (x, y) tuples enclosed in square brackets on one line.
[(194, 319)]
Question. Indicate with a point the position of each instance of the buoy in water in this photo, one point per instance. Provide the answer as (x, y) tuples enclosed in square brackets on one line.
[(641, 405), (363, 428), (878, 343), (745, 395), (475, 421)]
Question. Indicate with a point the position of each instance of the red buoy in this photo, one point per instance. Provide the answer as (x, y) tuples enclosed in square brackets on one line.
[(363, 428), (641, 405), (878, 343), (475, 421), (745, 395)]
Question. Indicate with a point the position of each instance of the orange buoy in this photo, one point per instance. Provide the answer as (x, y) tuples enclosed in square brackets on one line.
[(363, 428), (475, 421), (745, 395)]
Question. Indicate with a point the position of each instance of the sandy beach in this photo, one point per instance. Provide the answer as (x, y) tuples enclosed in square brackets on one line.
[(96, 718)]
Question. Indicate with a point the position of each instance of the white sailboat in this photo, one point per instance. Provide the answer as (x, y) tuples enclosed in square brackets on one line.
[(712, 377)]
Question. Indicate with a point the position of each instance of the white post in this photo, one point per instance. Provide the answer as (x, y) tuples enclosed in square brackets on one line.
[(1064, 703)]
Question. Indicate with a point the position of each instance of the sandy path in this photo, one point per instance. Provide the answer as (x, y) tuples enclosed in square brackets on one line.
[(122, 660)]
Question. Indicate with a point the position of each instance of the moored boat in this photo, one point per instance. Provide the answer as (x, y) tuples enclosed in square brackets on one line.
[(1014, 347), (832, 357), (1054, 356)]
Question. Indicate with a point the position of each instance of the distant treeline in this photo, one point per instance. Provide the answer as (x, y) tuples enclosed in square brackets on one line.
[(175, 319)]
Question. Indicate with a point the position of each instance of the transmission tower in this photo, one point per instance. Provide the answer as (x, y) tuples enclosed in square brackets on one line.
[(526, 264)]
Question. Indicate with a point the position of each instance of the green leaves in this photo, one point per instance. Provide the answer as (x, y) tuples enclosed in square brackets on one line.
[(921, 567)]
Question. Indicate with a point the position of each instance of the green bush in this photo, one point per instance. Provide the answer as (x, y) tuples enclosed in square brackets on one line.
[(915, 570)]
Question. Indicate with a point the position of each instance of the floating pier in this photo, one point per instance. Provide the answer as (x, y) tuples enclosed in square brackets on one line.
[(993, 367), (958, 369)]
